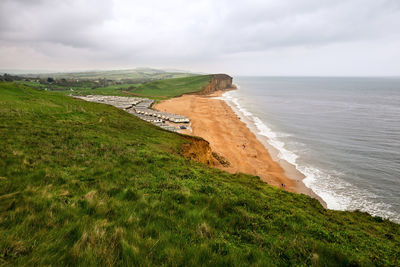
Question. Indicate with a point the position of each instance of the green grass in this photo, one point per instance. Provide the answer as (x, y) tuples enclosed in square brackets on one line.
[(172, 87), (118, 89), (86, 184), (85, 88), (160, 89), (138, 74)]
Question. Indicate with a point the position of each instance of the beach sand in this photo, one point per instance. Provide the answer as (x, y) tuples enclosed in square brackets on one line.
[(215, 121)]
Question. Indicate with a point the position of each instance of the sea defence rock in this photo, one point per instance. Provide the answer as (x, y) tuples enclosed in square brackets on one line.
[(218, 82)]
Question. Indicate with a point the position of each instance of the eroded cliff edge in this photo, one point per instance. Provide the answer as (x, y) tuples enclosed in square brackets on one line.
[(199, 150), (218, 82)]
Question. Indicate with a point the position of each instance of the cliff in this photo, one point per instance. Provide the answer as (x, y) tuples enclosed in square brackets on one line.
[(199, 150), (218, 82)]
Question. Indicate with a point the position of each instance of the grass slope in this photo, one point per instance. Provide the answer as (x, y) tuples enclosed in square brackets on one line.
[(84, 184), (172, 87), (84, 88), (118, 90), (161, 89)]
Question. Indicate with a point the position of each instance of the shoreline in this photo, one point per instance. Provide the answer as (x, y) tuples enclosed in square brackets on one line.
[(290, 170), (231, 135)]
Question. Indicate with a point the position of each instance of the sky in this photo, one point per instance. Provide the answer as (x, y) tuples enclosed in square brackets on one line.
[(252, 37)]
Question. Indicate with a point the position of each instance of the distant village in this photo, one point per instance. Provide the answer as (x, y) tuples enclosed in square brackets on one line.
[(57, 84)]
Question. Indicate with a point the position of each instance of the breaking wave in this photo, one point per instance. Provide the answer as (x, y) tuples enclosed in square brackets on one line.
[(337, 193)]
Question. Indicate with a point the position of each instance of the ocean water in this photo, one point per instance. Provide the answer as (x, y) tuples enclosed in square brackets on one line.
[(343, 134)]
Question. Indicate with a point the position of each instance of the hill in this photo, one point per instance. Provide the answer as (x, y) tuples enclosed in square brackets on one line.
[(138, 74), (172, 87), (154, 86), (87, 184)]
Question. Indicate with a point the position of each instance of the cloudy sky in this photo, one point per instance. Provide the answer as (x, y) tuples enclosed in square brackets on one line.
[(265, 37)]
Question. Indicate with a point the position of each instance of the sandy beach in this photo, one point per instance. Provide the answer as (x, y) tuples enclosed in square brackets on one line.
[(214, 120)]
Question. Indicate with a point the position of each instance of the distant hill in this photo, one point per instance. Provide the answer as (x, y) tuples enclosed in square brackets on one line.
[(131, 74), (168, 88)]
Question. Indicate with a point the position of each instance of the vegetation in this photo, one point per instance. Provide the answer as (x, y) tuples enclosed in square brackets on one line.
[(87, 184), (153, 84), (173, 87), (137, 75)]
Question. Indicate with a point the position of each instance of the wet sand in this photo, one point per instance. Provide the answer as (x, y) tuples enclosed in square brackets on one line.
[(215, 121)]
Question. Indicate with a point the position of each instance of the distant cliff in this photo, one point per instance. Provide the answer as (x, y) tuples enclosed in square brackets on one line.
[(218, 82)]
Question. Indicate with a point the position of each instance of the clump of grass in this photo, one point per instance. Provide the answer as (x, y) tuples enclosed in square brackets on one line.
[(88, 184)]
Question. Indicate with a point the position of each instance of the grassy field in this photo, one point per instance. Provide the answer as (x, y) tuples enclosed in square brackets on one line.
[(172, 87), (86, 184), (160, 89), (118, 89), (83, 88)]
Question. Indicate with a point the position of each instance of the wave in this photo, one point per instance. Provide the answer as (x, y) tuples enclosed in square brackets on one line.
[(337, 193)]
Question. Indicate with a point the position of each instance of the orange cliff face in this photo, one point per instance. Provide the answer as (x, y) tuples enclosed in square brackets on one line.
[(218, 82)]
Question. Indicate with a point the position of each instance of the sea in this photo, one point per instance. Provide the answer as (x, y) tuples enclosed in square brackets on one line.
[(341, 133)]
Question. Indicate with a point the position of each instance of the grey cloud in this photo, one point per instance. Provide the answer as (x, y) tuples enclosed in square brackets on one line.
[(67, 22), (339, 21), (126, 33)]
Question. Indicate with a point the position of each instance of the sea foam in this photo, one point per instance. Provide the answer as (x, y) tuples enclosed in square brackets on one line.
[(326, 185)]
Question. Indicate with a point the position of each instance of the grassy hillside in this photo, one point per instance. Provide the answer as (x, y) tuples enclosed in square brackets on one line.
[(166, 87), (118, 89), (172, 87), (83, 88), (88, 184)]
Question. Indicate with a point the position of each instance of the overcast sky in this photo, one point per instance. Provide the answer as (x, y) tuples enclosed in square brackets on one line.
[(266, 37)]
